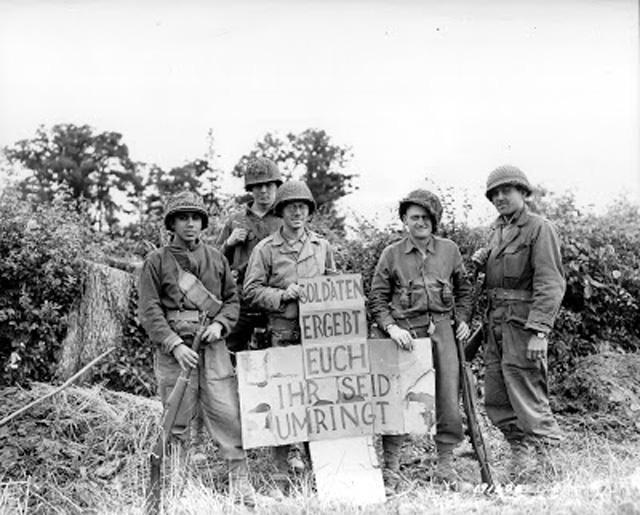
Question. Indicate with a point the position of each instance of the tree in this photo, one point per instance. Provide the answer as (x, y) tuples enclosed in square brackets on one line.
[(92, 167), (320, 162), (196, 175)]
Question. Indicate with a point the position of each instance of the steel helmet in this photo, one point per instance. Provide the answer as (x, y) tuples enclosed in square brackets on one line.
[(185, 202), (292, 191), (507, 174), (260, 170), (425, 199)]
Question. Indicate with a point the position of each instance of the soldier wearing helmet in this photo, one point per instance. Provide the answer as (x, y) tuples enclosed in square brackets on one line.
[(184, 286), (242, 232), (418, 283), (271, 282), (525, 285)]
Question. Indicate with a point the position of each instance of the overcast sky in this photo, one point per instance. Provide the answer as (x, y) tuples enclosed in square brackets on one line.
[(445, 90)]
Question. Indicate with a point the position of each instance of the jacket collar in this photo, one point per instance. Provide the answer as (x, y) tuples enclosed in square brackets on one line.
[(251, 212), (518, 221), (520, 218), (279, 239), (409, 245), (180, 246)]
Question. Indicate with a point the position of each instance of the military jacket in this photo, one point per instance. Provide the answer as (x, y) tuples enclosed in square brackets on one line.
[(159, 291), (407, 287), (274, 265), (525, 255), (257, 228)]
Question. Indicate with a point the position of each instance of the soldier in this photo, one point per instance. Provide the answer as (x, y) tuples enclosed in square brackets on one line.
[(417, 284), (242, 232), (525, 286), (182, 284), (291, 253)]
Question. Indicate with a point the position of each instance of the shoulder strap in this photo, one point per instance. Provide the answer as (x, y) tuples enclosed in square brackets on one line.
[(195, 291)]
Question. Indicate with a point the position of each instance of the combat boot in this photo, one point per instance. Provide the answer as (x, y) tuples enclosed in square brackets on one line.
[(240, 488), (391, 446), (445, 474), (545, 465), (295, 460), (522, 465)]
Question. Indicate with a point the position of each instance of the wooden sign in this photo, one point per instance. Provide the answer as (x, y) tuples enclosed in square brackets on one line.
[(336, 390), (330, 388), (333, 326)]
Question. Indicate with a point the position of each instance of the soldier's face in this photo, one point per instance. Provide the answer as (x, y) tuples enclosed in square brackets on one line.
[(418, 222), (264, 194), (507, 199), (295, 215), (187, 226)]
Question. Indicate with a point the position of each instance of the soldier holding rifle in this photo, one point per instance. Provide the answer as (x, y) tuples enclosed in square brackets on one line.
[(417, 283), (181, 285), (241, 233), (525, 285)]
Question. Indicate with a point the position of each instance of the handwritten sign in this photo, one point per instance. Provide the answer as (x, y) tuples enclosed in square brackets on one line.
[(337, 383), (333, 326)]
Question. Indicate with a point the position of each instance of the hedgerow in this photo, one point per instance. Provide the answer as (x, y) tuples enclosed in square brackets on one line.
[(42, 247)]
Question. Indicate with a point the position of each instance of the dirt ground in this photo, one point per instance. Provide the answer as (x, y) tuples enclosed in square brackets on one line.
[(604, 391)]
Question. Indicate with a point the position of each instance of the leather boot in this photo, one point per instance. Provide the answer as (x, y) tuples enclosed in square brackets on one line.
[(288, 458), (391, 446), (543, 451), (522, 464), (445, 474), (295, 460), (240, 488)]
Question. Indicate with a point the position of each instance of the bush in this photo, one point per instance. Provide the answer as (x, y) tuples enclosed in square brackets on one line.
[(601, 307), (42, 248), (41, 268)]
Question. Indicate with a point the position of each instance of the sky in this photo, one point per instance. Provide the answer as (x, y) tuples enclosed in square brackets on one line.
[(431, 94)]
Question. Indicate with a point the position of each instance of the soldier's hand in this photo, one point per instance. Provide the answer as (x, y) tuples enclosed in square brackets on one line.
[(480, 256), (537, 348), (292, 292), (462, 331), (213, 332), (402, 337), (186, 357), (238, 235)]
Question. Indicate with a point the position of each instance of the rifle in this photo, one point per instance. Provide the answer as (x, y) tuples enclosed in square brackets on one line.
[(470, 401), (473, 343), (154, 489)]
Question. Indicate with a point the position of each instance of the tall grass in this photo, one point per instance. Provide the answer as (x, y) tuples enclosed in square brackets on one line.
[(589, 474)]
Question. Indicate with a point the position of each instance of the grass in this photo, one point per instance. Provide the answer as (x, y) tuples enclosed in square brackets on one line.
[(590, 474)]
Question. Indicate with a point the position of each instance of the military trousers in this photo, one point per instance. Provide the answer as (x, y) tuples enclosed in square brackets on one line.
[(449, 430), (213, 388), (240, 336), (516, 390)]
